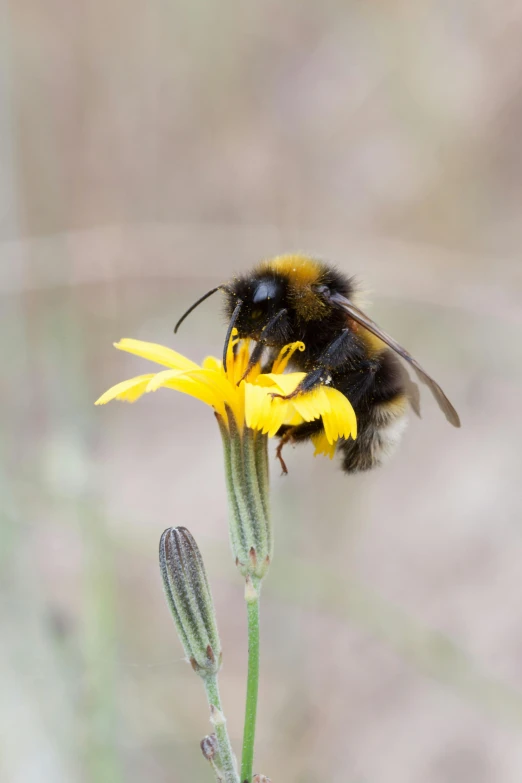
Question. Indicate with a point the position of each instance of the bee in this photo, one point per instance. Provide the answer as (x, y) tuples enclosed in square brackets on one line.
[(293, 297)]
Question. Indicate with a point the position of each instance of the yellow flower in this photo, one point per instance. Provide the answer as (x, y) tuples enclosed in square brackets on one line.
[(250, 402)]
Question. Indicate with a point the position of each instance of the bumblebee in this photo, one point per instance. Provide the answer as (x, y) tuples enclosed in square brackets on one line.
[(294, 297)]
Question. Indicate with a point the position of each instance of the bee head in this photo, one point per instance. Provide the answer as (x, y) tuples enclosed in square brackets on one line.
[(254, 304), (262, 299)]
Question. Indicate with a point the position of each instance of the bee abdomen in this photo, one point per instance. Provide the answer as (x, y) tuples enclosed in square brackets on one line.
[(380, 431), (381, 416)]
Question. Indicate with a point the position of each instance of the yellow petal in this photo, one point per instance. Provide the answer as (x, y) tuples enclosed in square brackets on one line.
[(254, 373), (262, 412), (230, 353), (211, 363), (257, 406), (279, 412), (156, 353), (285, 384), (250, 401), (311, 405), (240, 361), (180, 381), (322, 446), (224, 391), (161, 379), (293, 418), (129, 390), (340, 420), (345, 413)]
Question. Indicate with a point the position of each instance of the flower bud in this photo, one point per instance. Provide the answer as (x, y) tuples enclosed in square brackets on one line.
[(261, 779), (209, 746), (246, 470), (188, 595)]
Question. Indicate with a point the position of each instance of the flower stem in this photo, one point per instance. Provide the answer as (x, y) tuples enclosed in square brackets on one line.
[(249, 732), (226, 754)]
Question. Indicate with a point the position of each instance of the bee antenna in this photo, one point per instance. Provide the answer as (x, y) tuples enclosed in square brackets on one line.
[(193, 307), (229, 331)]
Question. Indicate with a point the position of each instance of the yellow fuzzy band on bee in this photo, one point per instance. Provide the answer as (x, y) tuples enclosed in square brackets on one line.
[(386, 412), (374, 345), (301, 273), (397, 405), (301, 270)]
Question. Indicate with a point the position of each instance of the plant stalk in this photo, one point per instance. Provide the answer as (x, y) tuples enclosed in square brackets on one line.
[(226, 754), (252, 600)]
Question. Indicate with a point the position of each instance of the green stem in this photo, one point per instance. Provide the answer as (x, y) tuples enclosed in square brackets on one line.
[(249, 732), (226, 754)]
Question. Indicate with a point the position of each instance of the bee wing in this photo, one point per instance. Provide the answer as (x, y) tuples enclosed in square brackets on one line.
[(411, 389), (357, 315)]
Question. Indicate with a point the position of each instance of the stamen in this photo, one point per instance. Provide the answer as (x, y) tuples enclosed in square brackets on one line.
[(285, 354)]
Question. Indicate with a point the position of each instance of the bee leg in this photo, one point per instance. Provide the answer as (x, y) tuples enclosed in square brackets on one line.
[(255, 356), (286, 437), (333, 356), (309, 382)]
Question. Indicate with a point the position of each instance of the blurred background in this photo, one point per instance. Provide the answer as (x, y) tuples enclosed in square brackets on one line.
[(147, 152)]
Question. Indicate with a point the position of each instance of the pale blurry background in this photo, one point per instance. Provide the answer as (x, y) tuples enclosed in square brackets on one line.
[(147, 152)]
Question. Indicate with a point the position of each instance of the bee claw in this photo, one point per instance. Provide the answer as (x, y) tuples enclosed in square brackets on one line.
[(284, 396), (244, 376)]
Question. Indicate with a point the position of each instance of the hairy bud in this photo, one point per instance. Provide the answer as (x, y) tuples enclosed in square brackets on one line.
[(209, 746), (246, 471), (189, 598)]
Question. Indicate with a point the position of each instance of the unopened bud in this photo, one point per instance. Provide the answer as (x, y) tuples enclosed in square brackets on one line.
[(261, 779), (189, 598), (209, 746)]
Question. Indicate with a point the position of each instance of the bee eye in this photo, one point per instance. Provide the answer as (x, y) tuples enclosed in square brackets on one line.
[(265, 290)]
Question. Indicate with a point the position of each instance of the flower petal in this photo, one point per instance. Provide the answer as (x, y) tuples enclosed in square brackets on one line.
[(252, 401), (240, 362), (340, 420), (226, 393), (129, 390), (180, 381), (264, 413), (156, 353), (293, 418), (322, 446), (212, 363), (280, 410), (285, 384), (257, 406), (234, 340)]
